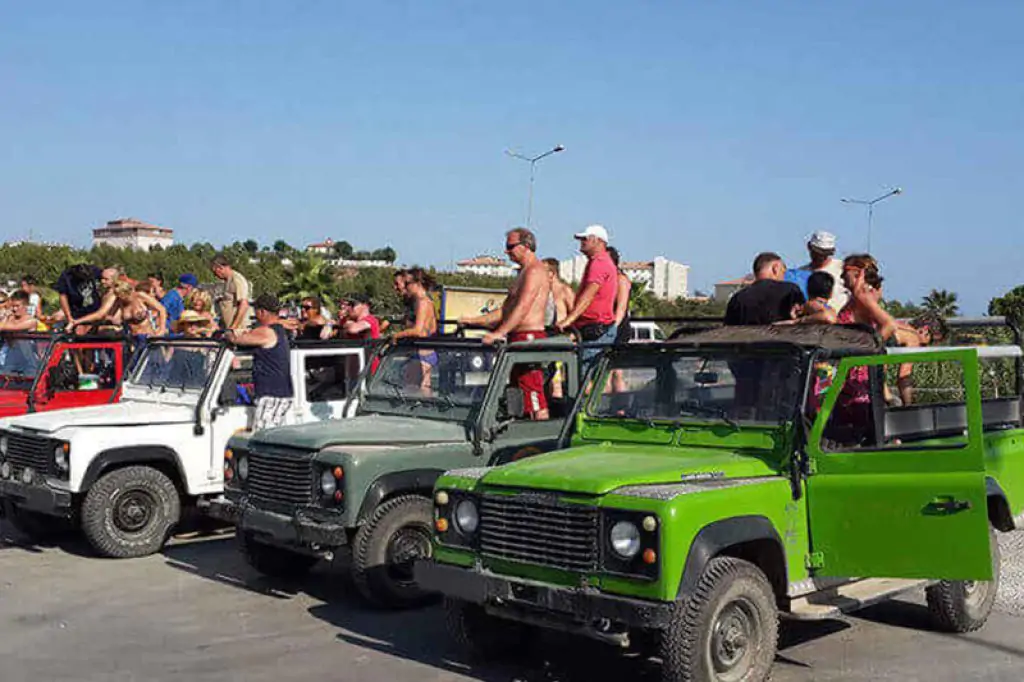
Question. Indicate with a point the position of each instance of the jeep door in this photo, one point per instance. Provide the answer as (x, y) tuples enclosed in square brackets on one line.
[(324, 379), (899, 498), (79, 374), (229, 402), (507, 431)]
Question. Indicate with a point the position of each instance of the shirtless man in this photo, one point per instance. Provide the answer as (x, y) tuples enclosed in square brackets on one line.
[(562, 295), (522, 315), (18, 319)]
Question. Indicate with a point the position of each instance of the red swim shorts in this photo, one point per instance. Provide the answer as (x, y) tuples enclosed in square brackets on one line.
[(530, 378)]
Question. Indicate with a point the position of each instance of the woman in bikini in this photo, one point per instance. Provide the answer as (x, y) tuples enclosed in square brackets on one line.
[(418, 284)]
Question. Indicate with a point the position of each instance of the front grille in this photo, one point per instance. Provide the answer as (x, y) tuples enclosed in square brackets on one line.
[(281, 478), (540, 530), (26, 450)]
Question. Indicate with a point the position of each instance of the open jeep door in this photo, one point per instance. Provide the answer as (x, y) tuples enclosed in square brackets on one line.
[(908, 502)]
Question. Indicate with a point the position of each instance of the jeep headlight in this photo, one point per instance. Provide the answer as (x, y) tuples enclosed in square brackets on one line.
[(4, 442), (328, 484), (467, 517), (60, 456), (625, 539), (242, 467)]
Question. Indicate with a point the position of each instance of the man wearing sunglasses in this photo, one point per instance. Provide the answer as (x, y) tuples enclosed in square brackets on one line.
[(593, 315), (522, 316)]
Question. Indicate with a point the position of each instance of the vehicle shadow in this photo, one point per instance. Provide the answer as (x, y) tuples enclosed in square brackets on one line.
[(69, 542)]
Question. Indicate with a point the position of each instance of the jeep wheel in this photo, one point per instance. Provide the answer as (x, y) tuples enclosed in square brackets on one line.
[(965, 605), (484, 637), (385, 548), (272, 561), (33, 525), (727, 631), (130, 512)]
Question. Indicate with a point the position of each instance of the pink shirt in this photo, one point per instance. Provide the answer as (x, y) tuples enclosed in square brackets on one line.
[(601, 310)]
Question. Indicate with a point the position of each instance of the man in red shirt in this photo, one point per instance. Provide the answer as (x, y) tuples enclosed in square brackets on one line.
[(593, 316), (360, 324)]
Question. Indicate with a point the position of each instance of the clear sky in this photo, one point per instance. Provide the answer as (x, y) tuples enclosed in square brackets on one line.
[(702, 131)]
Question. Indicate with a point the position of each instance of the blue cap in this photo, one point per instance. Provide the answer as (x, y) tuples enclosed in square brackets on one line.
[(189, 279)]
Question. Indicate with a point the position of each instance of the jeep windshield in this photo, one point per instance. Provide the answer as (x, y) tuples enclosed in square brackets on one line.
[(178, 367), (431, 380), (20, 361), (687, 385)]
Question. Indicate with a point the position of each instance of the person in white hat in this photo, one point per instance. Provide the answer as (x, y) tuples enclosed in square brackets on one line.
[(593, 315), (821, 246)]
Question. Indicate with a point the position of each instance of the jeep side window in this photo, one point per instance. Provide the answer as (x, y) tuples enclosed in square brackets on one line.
[(238, 386), (535, 381), (330, 377)]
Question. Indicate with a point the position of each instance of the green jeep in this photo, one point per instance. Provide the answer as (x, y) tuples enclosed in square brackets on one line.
[(300, 493), (717, 482)]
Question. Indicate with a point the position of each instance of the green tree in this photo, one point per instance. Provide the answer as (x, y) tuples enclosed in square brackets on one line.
[(343, 250), (941, 302), (251, 245), (1010, 304), (308, 277), (282, 248), (904, 310)]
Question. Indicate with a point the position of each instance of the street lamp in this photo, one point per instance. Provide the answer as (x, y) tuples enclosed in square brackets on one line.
[(871, 207), (533, 164)]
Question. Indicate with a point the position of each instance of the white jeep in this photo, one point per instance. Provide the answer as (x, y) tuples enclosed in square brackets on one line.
[(125, 472)]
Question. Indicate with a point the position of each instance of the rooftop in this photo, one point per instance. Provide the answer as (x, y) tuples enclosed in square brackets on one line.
[(131, 225), (485, 260)]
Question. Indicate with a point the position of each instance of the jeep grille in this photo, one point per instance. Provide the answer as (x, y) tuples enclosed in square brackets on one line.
[(25, 450), (281, 478), (540, 530)]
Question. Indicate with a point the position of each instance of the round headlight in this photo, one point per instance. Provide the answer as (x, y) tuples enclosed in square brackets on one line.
[(60, 458), (625, 539), (466, 517), (243, 468), (328, 484), (4, 442), (5, 469)]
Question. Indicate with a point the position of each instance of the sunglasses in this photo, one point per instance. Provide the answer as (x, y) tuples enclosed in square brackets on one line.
[(509, 247), (306, 307)]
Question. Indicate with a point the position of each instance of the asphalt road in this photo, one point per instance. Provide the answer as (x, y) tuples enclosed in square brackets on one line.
[(198, 613)]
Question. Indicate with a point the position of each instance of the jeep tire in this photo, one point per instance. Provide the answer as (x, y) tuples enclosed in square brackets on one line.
[(728, 629), (482, 636), (964, 605), (130, 512), (34, 525), (396, 534), (272, 561)]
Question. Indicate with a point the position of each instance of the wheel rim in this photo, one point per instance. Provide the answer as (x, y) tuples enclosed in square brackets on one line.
[(975, 593), (408, 544), (134, 511), (735, 640)]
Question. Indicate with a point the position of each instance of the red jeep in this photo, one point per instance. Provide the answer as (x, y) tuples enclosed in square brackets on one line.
[(41, 372)]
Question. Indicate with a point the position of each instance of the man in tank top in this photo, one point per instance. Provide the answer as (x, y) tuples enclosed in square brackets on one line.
[(271, 372)]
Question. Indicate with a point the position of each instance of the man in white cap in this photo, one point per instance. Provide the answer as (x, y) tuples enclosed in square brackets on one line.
[(822, 247), (593, 315)]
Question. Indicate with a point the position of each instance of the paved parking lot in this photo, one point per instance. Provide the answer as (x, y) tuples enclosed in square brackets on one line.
[(198, 613)]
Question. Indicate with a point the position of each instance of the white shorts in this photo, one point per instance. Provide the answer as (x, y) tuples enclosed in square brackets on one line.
[(270, 412)]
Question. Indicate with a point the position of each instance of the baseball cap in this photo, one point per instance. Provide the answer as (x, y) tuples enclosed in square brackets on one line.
[(593, 231), (189, 279), (267, 302), (822, 241)]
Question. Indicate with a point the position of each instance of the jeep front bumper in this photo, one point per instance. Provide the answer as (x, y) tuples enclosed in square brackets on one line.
[(220, 508), (290, 530), (37, 498), (562, 608)]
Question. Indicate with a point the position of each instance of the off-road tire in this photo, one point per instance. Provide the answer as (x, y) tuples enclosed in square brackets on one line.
[(963, 606), (482, 636), (272, 561), (732, 598), (34, 525), (130, 512), (408, 518)]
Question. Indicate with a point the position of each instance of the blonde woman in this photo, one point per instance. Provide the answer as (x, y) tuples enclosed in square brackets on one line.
[(201, 302)]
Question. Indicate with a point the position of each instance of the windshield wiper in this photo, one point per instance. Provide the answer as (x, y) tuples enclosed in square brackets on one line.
[(447, 399), (699, 410), (397, 388)]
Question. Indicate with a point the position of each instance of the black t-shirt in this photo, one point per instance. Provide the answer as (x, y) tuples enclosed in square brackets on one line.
[(84, 291), (763, 302)]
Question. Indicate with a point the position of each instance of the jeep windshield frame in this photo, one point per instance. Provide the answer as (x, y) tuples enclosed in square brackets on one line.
[(30, 349), (169, 368), (460, 374)]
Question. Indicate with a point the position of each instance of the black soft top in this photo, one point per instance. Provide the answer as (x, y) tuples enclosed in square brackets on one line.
[(836, 338)]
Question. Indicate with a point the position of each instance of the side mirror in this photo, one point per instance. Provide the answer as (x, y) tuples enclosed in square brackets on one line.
[(705, 378), (515, 403)]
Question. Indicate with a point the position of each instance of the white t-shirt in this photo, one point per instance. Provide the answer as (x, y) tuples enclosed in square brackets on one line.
[(840, 294), (34, 304)]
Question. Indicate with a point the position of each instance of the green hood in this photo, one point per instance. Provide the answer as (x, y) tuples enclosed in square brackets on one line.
[(600, 469), (368, 429)]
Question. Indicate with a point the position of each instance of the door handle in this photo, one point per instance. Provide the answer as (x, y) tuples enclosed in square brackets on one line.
[(947, 505)]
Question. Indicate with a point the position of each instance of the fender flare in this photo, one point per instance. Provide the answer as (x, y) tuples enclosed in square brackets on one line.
[(720, 535), (414, 480), (999, 514), (131, 454)]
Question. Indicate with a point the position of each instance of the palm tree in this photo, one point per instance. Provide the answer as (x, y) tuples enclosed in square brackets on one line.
[(941, 302), (309, 277)]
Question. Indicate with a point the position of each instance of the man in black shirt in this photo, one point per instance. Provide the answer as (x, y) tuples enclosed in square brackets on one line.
[(769, 299), (80, 292)]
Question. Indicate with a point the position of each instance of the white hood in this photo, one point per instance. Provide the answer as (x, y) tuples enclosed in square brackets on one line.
[(130, 413)]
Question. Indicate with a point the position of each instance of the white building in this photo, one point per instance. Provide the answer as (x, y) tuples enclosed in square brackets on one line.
[(132, 233), (725, 290), (324, 248), (662, 277), (486, 265)]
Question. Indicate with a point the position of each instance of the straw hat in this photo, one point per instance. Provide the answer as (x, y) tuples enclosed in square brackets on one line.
[(190, 317)]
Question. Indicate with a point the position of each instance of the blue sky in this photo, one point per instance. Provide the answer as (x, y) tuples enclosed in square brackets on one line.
[(702, 131)]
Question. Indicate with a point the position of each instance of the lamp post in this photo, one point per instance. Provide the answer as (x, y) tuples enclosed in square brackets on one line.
[(533, 165), (871, 207)]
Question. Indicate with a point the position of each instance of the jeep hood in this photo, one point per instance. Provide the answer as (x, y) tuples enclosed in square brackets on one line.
[(367, 429), (109, 415), (600, 469)]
